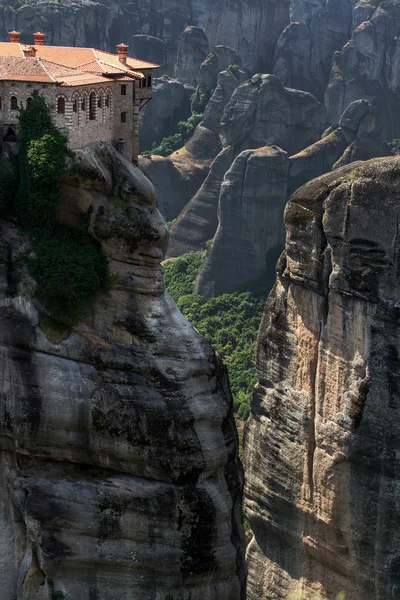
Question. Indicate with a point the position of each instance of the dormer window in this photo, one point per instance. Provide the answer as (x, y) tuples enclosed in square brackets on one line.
[(13, 103)]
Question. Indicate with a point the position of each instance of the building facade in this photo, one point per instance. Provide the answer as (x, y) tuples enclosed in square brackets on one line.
[(92, 95)]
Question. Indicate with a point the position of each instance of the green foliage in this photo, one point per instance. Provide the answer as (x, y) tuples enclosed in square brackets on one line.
[(69, 270), (171, 143), (229, 322), (395, 146), (181, 273), (234, 69), (42, 158), (199, 100)]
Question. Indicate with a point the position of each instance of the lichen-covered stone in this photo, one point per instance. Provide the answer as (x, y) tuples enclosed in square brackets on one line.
[(322, 442), (118, 449)]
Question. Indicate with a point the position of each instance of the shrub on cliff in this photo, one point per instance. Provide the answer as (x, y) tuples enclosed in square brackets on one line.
[(42, 157), (69, 268)]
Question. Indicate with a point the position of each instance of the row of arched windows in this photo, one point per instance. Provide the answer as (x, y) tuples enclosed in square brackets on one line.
[(94, 102), (99, 101), (14, 103)]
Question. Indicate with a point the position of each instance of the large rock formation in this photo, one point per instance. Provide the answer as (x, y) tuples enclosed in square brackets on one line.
[(120, 477), (368, 67), (355, 137), (261, 112), (322, 443), (192, 51), (303, 57), (250, 221)]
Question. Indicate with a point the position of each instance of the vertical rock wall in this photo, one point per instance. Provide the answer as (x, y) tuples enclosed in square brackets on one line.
[(118, 449), (322, 442)]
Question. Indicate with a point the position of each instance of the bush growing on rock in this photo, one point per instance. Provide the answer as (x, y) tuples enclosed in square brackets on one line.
[(69, 268)]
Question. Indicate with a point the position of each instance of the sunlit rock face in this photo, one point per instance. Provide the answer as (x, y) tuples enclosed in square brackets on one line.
[(322, 442), (120, 478)]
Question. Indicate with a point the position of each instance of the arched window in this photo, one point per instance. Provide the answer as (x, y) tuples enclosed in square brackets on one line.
[(123, 117), (92, 107), (107, 102), (13, 103), (75, 106), (29, 102), (83, 105), (61, 106), (100, 101)]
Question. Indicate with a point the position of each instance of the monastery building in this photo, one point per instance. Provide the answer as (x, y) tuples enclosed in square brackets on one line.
[(92, 95)]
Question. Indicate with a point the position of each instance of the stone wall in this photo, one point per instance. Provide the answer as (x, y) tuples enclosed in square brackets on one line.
[(76, 122)]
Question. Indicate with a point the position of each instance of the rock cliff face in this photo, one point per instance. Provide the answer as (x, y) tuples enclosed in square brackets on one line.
[(261, 112), (250, 221), (367, 67), (118, 449), (322, 442), (192, 51)]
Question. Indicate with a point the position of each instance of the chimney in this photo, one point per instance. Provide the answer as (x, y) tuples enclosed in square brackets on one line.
[(39, 38), (122, 53), (14, 36), (29, 51)]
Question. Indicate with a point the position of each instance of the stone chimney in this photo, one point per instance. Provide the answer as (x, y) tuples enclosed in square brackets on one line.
[(39, 38), (29, 51), (122, 53), (14, 36)]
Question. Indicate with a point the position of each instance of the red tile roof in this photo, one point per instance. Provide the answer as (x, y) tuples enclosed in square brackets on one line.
[(66, 65)]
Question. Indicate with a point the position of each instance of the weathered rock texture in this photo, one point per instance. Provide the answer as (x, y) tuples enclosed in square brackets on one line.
[(250, 26), (261, 112), (250, 221), (303, 56), (322, 442), (368, 67), (356, 137), (119, 476), (192, 51)]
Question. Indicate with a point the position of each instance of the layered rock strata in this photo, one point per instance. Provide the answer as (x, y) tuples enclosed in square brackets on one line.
[(120, 477), (322, 441)]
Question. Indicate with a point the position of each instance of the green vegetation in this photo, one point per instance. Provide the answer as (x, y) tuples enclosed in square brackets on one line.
[(233, 69), (69, 268), (395, 147), (229, 322), (169, 144)]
